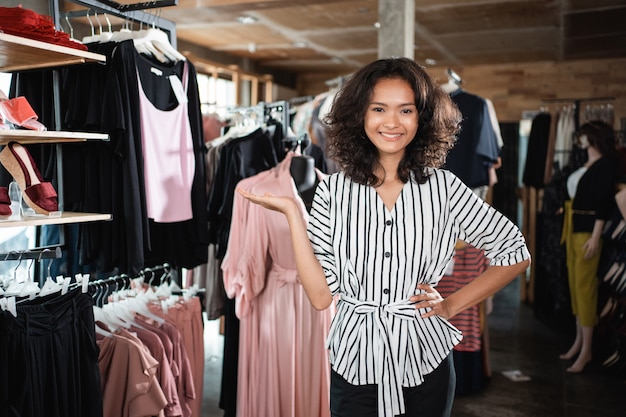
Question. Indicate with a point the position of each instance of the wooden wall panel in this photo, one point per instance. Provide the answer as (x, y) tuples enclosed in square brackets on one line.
[(515, 88)]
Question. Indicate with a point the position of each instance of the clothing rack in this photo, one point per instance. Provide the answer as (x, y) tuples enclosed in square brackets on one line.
[(130, 14), (576, 99), (142, 5), (576, 102), (101, 288), (337, 81), (42, 253), (280, 109), (301, 99), (261, 113)]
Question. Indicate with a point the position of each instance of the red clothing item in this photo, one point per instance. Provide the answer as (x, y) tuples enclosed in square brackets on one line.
[(27, 23), (469, 262)]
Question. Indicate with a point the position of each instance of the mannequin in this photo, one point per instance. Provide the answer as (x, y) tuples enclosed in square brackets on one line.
[(591, 190), (302, 171)]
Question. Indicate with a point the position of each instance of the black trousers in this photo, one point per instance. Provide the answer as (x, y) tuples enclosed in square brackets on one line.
[(433, 398)]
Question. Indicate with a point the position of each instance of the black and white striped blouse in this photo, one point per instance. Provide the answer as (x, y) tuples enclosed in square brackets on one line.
[(375, 257)]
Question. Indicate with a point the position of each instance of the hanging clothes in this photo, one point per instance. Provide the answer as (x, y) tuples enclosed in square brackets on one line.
[(49, 358), (238, 158), (167, 144), (537, 153), (468, 263), (109, 176), (476, 148), (161, 336), (283, 367)]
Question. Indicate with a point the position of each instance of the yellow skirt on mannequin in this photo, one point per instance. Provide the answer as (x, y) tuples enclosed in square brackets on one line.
[(581, 272)]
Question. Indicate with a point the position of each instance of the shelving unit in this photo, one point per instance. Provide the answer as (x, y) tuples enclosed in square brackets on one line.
[(49, 136), (18, 54), (65, 218)]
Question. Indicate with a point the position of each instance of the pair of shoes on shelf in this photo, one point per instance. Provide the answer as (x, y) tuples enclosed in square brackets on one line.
[(18, 112), (38, 194)]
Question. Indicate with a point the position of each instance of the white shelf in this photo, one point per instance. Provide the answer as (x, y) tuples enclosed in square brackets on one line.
[(18, 54), (48, 136), (66, 217)]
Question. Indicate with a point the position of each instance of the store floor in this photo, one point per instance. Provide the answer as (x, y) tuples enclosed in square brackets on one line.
[(518, 342)]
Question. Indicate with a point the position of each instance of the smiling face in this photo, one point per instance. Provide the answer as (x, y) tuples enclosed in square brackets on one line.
[(391, 118)]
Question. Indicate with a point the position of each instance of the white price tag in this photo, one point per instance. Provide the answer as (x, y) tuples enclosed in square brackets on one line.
[(178, 89)]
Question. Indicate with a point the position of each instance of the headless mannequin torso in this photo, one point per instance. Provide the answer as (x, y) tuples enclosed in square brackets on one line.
[(302, 171)]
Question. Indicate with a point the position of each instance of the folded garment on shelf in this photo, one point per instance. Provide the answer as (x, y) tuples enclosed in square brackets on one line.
[(27, 23)]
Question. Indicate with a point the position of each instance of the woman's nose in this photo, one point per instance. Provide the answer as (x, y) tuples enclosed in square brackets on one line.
[(391, 120)]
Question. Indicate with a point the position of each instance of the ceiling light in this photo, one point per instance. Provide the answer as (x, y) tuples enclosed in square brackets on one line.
[(336, 60), (252, 47), (301, 44), (430, 61), (246, 20), (377, 25)]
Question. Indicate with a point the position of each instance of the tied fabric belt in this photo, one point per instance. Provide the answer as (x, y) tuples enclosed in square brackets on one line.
[(388, 373)]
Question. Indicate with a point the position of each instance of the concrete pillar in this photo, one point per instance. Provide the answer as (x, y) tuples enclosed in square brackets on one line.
[(397, 28)]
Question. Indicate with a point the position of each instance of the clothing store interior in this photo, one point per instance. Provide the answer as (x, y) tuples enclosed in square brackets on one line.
[(126, 126)]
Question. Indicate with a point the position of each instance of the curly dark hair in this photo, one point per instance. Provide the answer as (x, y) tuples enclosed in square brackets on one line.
[(600, 135), (439, 123)]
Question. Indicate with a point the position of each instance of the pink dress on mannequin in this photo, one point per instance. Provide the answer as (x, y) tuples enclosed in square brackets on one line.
[(283, 363)]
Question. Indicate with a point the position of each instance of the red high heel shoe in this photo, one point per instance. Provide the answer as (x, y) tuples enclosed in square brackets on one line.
[(19, 112), (39, 195), (5, 202)]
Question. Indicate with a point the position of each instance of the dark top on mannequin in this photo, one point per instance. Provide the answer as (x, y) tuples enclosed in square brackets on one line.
[(302, 171)]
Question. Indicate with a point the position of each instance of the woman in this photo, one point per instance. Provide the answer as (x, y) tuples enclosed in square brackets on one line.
[(381, 234), (591, 189)]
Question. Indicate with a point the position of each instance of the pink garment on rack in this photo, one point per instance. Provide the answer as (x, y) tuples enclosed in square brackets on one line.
[(283, 363), (164, 372), (186, 315), (184, 377), (128, 376), (168, 158)]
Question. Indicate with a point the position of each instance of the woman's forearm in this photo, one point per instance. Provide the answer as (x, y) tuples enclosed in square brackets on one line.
[(485, 285), (310, 271)]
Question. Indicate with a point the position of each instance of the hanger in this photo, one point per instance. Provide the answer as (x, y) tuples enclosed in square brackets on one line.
[(145, 45), (5, 279), (157, 42), (105, 36), (454, 82), (50, 286), (15, 287), (93, 37), (67, 19), (30, 288), (123, 34)]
